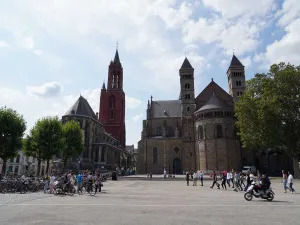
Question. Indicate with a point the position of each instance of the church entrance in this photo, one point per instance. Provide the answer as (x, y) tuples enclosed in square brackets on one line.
[(177, 166)]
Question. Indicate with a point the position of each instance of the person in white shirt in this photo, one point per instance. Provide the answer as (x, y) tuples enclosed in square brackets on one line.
[(51, 183), (195, 178), (290, 182), (229, 175)]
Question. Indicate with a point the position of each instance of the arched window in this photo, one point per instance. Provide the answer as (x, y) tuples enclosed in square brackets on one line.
[(200, 132), (158, 131), (219, 131), (112, 102), (154, 155)]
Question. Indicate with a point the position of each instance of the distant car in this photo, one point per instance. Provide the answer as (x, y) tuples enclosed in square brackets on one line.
[(252, 169)]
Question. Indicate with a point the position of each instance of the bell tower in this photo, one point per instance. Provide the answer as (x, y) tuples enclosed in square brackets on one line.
[(188, 107), (112, 102), (236, 78)]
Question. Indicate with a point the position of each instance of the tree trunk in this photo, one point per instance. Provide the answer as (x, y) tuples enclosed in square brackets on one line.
[(64, 164), (296, 168), (4, 166), (39, 167), (47, 167)]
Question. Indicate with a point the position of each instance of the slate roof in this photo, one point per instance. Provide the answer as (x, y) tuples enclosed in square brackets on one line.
[(117, 59), (186, 64), (168, 108), (81, 107), (235, 62), (213, 103)]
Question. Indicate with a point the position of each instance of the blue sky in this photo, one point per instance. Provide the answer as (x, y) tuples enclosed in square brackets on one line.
[(53, 50)]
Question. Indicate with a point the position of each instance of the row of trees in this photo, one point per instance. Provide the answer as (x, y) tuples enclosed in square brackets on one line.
[(268, 113), (48, 138)]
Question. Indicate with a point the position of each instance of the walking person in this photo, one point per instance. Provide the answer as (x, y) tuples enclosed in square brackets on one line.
[(224, 178), (284, 181), (215, 180), (290, 182), (195, 178), (228, 177), (248, 181), (79, 183), (187, 177), (201, 174), (51, 183), (46, 183)]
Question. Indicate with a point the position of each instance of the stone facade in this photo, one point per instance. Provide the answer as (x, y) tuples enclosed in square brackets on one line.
[(102, 150), (193, 133)]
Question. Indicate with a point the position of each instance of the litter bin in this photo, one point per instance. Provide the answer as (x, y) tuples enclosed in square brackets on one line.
[(114, 176)]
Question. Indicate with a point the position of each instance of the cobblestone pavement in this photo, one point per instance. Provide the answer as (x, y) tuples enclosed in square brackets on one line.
[(137, 202)]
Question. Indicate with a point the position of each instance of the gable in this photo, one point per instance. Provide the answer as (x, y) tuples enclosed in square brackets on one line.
[(207, 92)]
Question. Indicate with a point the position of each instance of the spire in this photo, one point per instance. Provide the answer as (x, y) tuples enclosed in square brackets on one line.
[(103, 85), (117, 59), (186, 64), (235, 62)]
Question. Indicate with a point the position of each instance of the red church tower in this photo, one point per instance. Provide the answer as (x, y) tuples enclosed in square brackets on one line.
[(112, 102)]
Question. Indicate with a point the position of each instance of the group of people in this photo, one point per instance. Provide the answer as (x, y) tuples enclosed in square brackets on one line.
[(70, 178), (239, 181), (288, 181)]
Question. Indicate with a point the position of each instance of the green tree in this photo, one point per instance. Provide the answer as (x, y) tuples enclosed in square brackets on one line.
[(73, 139), (31, 147), (268, 112), (45, 141), (12, 128)]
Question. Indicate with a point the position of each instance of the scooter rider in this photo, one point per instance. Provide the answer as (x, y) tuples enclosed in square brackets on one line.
[(265, 184)]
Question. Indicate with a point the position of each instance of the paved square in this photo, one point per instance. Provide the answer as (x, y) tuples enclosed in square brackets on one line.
[(138, 202)]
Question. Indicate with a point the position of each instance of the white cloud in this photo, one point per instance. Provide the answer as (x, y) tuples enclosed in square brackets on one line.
[(3, 44), (236, 8), (132, 103), (287, 49), (289, 12), (27, 42), (50, 89), (137, 117), (246, 61), (38, 52)]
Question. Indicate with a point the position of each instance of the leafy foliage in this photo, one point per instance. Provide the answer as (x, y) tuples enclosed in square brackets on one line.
[(73, 139), (12, 128), (268, 112), (45, 140)]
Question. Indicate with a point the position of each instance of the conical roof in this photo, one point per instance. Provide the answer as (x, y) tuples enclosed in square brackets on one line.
[(117, 58), (186, 64), (235, 62), (213, 103), (81, 107)]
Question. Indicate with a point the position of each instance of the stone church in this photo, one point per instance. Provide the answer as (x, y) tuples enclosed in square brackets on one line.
[(103, 132), (193, 132)]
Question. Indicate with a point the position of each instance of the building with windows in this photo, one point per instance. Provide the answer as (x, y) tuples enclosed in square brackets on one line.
[(104, 132), (23, 165), (193, 132)]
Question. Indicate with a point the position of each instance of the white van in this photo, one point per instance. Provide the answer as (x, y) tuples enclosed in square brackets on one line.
[(252, 169)]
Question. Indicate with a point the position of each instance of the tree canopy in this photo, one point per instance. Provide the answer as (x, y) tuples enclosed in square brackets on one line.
[(45, 140), (268, 113), (73, 141), (12, 128)]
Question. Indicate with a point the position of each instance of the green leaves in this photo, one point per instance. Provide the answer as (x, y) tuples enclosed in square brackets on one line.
[(268, 113), (12, 128), (73, 140)]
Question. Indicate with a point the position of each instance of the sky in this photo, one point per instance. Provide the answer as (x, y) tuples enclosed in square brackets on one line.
[(51, 51)]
